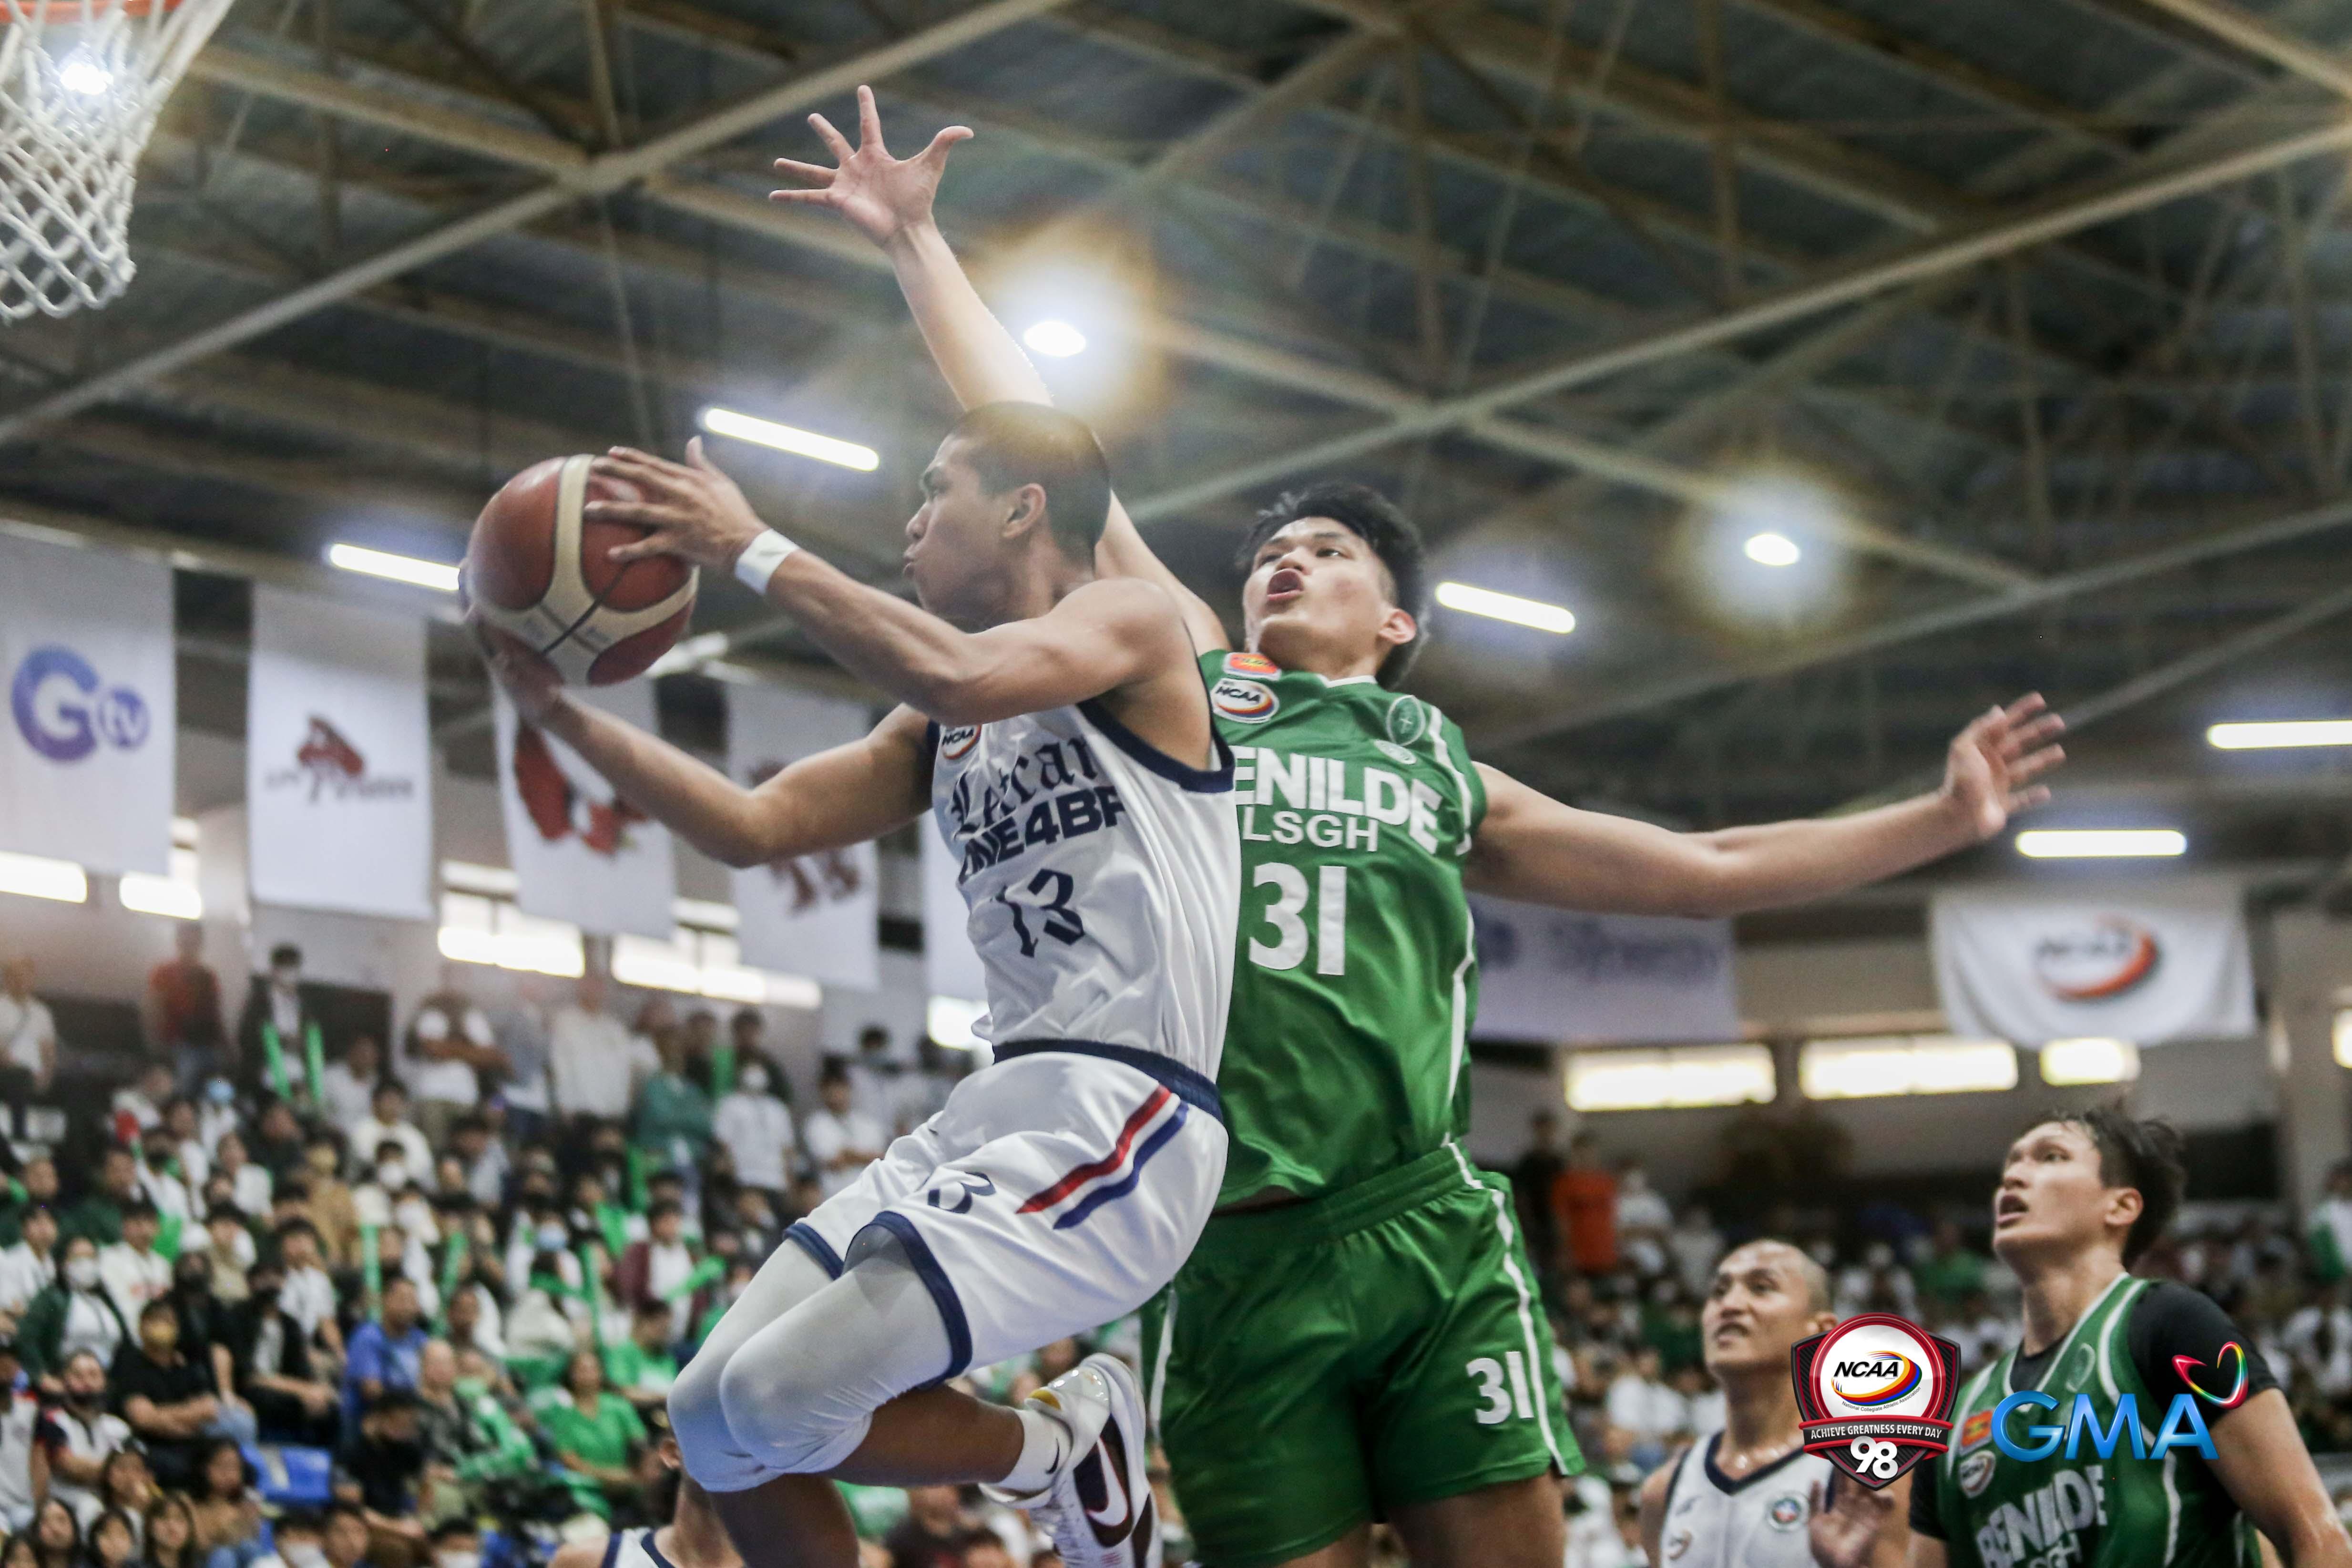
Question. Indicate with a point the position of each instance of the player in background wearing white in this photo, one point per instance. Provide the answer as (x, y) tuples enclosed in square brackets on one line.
[(695, 1537), (1749, 1496), (1057, 728), (1290, 1445)]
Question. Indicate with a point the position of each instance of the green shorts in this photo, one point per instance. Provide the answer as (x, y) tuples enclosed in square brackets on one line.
[(1319, 1365)]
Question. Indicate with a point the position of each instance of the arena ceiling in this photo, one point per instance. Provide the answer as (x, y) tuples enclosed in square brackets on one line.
[(2032, 324)]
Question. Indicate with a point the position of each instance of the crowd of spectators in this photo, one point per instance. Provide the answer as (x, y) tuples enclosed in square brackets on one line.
[(1626, 1274), (305, 1297)]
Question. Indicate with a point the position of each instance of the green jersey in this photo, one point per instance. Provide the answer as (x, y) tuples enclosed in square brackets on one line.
[(1357, 975), (2094, 1511)]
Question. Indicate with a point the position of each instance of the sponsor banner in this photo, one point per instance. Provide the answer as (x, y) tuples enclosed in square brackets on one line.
[(812, 914), (338, 759), (87, 751), (2146, 963), (1547, 975), (581, 853), (950, 963)]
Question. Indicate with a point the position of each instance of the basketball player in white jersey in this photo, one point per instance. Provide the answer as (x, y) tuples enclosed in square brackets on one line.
[(1057, 730), (1749, 1496), (694, 1537)]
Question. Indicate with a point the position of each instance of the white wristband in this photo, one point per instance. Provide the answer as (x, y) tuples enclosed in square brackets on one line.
[(761, 558)]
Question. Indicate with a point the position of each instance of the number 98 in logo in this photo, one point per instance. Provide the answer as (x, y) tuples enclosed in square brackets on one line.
[(1875, 1395)]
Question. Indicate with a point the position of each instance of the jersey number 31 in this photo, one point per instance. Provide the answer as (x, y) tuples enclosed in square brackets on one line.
[(1287, 917)]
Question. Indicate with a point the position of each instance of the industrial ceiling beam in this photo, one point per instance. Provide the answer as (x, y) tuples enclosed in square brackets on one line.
[(600, 175), (2068, 214), (2215, 546)]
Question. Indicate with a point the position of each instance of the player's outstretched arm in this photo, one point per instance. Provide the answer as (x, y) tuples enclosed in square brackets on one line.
[(889, 200), (1104, 636), (2268, 1473), (839, 797), (1534, 848)]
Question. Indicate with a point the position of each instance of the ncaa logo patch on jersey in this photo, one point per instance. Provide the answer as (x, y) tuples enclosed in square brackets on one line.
[(1250, 664), (1246, 701), (956, 743), (1787, 1512), (1975, 1473), (1408, 719)]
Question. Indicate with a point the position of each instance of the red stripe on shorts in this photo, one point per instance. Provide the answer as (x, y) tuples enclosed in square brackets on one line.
[(1103, 1166)]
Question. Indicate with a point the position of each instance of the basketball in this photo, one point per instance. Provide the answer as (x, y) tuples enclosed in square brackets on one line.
[(540, 576)]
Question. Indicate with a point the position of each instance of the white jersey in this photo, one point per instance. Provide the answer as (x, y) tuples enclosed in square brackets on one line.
[(633, 1548), (1103, 878), (1757, 1521)]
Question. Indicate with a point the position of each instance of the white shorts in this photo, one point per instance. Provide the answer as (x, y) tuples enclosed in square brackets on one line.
[(1058, 1189)]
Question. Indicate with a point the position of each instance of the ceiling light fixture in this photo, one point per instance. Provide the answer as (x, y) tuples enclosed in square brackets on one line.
[(434, 574), (1509, 607), (2264, 736), (1056, 340), (790, 438), (2100, 843)]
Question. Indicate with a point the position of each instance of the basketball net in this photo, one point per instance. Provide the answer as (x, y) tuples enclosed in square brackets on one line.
[(80, 83)]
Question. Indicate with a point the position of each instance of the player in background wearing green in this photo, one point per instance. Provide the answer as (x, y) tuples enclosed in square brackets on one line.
[(2081, 1200), (1357, 1333)]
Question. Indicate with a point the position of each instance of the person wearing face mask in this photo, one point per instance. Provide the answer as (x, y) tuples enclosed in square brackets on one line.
[(756, 1129), (76, 1436), (170, 1398), (388, 1122), (74, 1314), (308, 1293), (270, 1366), (278, 1038), (162, 1178), (98, 1215), (302, 1537), (455, 1544)]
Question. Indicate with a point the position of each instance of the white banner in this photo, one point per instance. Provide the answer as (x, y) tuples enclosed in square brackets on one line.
[(950, 963), (86, 759), (2146, 963), (581, 854), (1547, 975), (338, 759), (814, 915)]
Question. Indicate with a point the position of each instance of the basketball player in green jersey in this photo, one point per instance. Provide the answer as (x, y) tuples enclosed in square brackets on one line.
[(2080, 1201), (1357, 1333)]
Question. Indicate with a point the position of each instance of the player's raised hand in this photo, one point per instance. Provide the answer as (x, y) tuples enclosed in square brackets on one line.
[(1989, 775), (1846, 1534), (880, 196), (690, 509)]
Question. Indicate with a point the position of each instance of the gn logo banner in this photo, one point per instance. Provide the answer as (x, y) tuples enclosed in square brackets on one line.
[(1875, 1395)]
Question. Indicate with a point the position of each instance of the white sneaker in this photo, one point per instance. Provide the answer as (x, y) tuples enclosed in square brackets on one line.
[(1098, 1509)]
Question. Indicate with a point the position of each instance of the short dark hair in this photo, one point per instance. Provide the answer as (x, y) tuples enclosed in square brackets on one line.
[(1378, 522), (158, 1308), (663, 1208), (1016, 444), (2144, 1154), (284, 953)]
